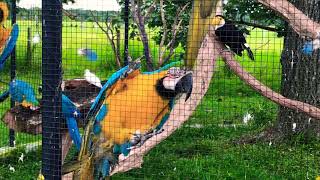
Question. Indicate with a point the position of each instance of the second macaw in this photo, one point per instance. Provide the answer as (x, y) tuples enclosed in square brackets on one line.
[(130, 108), (23, 93)]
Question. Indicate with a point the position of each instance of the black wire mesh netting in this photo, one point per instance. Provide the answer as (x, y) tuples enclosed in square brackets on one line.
[(141, 89)]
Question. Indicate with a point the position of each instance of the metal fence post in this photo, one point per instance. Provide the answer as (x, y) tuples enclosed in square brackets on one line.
[(51, 97), (13, 69)]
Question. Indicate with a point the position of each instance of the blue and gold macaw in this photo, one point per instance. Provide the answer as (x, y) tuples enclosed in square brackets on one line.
[(8, 36), (23, 93), (130, 108)]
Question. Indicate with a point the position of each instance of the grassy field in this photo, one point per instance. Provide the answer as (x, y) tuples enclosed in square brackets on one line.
[(203, 148)]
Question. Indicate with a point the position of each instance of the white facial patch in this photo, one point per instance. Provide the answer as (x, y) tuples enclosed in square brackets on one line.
[(170, 83)]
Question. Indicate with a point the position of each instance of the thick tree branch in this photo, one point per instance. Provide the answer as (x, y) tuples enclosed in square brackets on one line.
[(303, 25), (308, 109)]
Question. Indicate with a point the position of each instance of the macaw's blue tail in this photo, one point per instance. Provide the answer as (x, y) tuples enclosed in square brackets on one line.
[(74, 132), (70, 113)]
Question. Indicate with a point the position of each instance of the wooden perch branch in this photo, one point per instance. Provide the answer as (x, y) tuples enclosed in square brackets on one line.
[(310, 110), (182, 110), (303, 25)]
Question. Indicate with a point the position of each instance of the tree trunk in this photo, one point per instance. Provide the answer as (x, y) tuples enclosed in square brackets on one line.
[(300, 78)]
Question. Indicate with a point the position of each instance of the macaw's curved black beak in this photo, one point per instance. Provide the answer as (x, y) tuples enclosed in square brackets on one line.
[(176, 82), (185, 85)]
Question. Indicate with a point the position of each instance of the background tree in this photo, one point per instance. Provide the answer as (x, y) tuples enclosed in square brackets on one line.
[(300, 77)]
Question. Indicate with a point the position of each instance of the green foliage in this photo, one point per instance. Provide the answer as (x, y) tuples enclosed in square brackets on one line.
[(154, 21), (170, 9), (251, 10), (236, 10)]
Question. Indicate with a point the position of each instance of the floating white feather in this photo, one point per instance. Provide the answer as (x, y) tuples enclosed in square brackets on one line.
[(92, 78)]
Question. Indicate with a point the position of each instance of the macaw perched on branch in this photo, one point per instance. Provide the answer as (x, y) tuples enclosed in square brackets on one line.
[(23, 93), (8, 37), (130, 108)]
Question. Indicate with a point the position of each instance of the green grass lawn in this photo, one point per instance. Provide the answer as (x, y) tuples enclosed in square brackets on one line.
[(206, 152)]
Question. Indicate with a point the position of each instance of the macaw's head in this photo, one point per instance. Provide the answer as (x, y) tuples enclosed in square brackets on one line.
[(218, 21), (174, 83)]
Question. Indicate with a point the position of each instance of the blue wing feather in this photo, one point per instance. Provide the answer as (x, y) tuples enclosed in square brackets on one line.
[(74, 132), (114, 77), (166, 67), (102, 113), (69, 110), (11, 42)]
